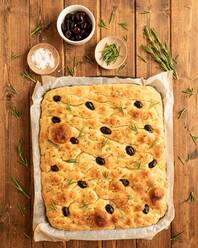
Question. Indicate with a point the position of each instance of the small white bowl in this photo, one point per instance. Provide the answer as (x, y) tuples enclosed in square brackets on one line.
[(72, 9), (109, 40)]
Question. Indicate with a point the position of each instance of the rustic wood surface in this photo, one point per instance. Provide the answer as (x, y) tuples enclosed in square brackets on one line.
[(177, 24)]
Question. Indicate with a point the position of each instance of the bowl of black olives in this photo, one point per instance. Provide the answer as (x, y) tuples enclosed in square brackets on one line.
[(76, 24)]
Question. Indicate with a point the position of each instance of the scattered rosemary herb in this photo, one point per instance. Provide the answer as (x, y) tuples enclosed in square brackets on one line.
[(125, 37), (84, 205), (68, 107), (122, 67), (188, 92), (26, 235), (124, 25), (104, 142), (189, 157), (102, 24), (141, 58), (52, 206), (80, 132), (70, 181), (105, 174), (181, 160), (129, 197), (28, 76), (176, 236), (137, 165), (112, 16), (145, 12), (194, 138), (21, 209), (15, 112), (191, 197), (153, 104), (159, 51), (134, 128), (181, 112), (52, 143), (120, 109), (21, 154), (11, 90), (40, 28), (71, 161), (17, 185), (15, 56), (110, 53), (72, 70), (154, 144), (88, 59)]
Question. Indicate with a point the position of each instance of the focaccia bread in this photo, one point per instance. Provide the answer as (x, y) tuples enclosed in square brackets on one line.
[(103, 157)]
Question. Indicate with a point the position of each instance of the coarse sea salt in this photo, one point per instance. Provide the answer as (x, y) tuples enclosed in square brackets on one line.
[(43, 58)]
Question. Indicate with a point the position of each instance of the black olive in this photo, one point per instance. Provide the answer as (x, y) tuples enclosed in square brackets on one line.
[(83, 25), (125, 182), (79, 16), (89, 105), (56, 119), (146, 209), (105, 130), (57, 98), (109, 209), (130, 150), (68, 17), (54, 168), (63, 27), (76, 30), (152, 163), (78, 37), (68, 34), (100, 161), (148, 128), (82, 184), (74, 140), (138, 104), (65, 211)]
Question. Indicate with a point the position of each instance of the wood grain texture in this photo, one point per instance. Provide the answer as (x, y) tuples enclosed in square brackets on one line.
[(177, 23)]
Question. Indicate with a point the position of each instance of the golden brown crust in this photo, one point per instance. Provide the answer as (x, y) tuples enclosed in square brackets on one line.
[(101, 168)]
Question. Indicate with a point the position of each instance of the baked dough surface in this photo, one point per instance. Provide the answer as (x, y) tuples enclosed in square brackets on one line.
[(103, 157)]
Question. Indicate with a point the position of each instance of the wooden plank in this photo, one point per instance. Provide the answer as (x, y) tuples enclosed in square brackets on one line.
[(155, 13), (124, 13), (184, 43)]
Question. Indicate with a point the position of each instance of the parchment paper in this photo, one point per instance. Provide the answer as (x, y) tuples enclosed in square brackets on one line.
[(42, 229)]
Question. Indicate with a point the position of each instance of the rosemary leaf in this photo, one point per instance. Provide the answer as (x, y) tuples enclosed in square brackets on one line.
[(134, 128), (28, 76), (124, 25), (176, 236), (188, 92), (153, 104), (84, 205), (104, 142), (21, 154), (15, 112), (26, 235), (141, 58), (181, 112), (125, 37), (122, 67), (194, 138), (105, 174), (88, 59), (112, 16), (145, 12), (40, 28), (191, 197), (181, 160), (15, 56), (68, 107), (137, 165), (52, 206), (70, 182), (81, 132), (72, 161), (72, 70), (102, 24), (11, 90), (54, 144), (17, 185), (21, 209), (189, 157)]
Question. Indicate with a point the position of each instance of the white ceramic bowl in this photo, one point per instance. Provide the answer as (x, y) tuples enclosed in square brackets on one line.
[(71, 9), (109, 40)]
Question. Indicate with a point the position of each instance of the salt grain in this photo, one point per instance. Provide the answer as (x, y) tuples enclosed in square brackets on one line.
[(43, 58)]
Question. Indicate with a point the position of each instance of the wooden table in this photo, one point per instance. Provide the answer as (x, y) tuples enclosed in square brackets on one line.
[(177, 23)]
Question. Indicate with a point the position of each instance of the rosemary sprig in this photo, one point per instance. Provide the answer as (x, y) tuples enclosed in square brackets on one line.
[(70, 182), (124, 25), (110, 53), (134, 128), (189, 157), (181, 112), (28, 76), (72, 70), (102, 24), (194, 138), (21, 154), (176, 236), (71, 161), (88, 59), (15, 112), (122, 67), (14, 56), (52, 206), (159, 51), (11, 90), (105, 174), (189, 92), (21, 209), (54, 144), (125, 37), (112, 16), (141, 58), (145, 12), (191, 197), (17, 185), (26, 235), (40, 28), (181, 160)]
